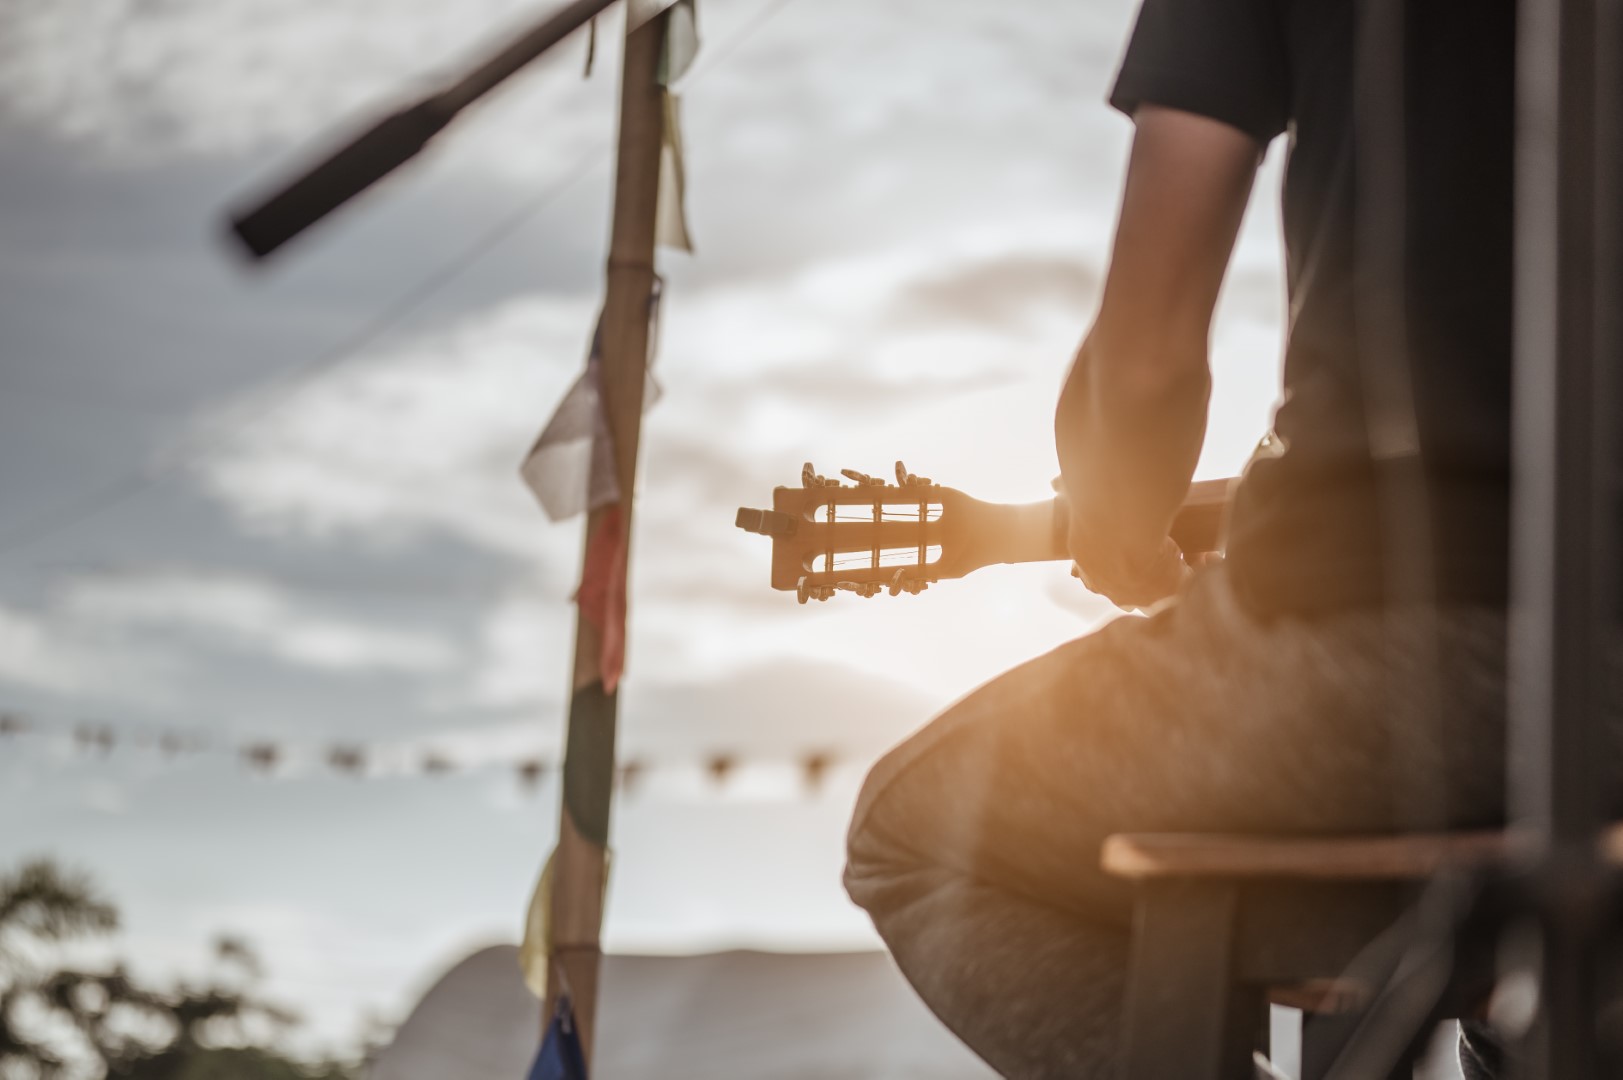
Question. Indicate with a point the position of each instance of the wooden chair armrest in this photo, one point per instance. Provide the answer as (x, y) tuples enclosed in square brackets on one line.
[(1148, 856)]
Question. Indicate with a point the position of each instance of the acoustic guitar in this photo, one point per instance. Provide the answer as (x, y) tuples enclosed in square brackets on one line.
[(870, 536)]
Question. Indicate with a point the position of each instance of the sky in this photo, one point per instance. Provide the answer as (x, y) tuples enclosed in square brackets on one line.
[(217, 516)]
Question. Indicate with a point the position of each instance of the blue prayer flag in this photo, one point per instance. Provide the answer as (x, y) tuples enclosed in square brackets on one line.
[(560, 1056)]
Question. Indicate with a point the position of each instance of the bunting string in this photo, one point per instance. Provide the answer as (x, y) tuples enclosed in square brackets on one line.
[(282, 758)]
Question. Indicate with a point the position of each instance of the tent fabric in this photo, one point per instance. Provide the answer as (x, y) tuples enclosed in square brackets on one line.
[(720, 1016)]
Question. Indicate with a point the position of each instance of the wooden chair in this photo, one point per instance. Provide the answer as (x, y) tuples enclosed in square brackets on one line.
[(1224, 925)]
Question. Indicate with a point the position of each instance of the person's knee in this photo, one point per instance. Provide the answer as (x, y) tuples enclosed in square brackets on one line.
[(876, 860), (867, 854), (907, 824)]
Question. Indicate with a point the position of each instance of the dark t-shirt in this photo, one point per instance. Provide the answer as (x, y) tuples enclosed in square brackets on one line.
[(1306, 532)]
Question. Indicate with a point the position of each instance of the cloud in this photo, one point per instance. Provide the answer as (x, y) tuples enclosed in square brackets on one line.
[(524, 654), (424, 440), (1002, 292), (833, 389), (34, 654), (680, 706), (147, 79), (252, 616), (772, 707)]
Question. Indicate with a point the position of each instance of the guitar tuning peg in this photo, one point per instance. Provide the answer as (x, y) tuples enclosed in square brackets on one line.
[(805, 591), (810, 479), (861, 479), (903, 583), (907, 479)]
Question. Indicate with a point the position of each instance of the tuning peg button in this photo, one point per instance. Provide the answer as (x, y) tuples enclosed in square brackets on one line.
[(907, 479), (902, 582)]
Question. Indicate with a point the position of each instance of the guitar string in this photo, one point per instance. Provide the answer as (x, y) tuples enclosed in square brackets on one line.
[(878, 516), (881, 510)]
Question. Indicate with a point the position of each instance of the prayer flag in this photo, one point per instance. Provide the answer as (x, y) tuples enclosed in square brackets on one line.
[(570, 468), (560, 1056), (602, 595)]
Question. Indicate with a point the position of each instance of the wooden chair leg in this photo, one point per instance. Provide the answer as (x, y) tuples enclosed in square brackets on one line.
[(1186, 1017)]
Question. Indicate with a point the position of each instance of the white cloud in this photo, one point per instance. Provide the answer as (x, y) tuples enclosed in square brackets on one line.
[(422, 440), (33, 654), (835, 364), (255, 617), (525, 652), (970, 89), (49, 650), (208, 77)]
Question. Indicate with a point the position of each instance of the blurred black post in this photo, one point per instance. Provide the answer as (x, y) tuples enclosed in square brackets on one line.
[(394, 140), (1563, 531), (1566, 588)]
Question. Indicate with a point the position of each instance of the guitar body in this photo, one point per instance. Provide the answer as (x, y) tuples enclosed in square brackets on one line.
[(871, 535)]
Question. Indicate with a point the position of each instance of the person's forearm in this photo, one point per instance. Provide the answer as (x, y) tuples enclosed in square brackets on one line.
[(1129, 429)]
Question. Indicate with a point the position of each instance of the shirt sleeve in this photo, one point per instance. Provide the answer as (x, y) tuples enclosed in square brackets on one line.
[(1224, 59)]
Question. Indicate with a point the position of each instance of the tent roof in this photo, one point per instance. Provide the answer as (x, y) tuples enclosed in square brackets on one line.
[(788, 1016)]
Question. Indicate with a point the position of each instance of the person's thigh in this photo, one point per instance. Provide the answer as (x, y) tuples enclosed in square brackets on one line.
[(1197, 718)]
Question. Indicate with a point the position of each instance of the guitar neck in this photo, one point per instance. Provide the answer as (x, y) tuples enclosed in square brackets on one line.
[(1036, 532), (871, 535)]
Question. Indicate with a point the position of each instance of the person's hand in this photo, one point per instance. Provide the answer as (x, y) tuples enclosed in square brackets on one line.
[(1130, 576)]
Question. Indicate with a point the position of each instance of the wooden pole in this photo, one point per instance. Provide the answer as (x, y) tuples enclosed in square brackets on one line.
[(580, 867)]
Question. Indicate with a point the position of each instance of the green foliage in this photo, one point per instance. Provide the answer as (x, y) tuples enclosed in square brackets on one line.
[(61, 1023), (226, 1063), (44, 902)]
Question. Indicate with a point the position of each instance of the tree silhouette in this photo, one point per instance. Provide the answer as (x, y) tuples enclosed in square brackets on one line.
[(61, 1023)]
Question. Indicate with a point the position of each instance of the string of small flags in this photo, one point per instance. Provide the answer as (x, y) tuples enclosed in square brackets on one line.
[(278, 758)]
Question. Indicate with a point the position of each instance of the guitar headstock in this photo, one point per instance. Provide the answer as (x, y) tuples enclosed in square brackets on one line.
[(870, 535), (865, 535)]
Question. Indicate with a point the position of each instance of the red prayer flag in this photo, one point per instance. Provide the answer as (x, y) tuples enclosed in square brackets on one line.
[(602, 594)]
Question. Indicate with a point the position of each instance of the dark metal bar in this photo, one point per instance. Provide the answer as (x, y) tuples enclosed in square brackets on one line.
[(1558, 537), (391, 142), (1553, 571), (1608, 240)]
